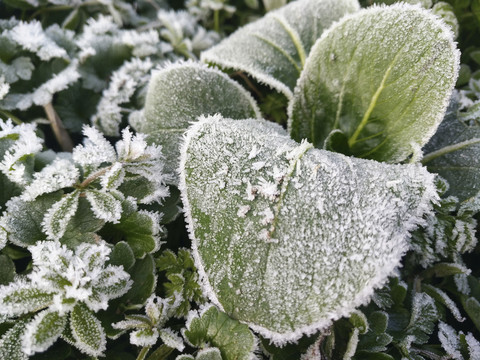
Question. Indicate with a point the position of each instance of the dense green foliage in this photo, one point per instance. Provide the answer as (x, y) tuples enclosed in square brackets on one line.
[(96, 258)]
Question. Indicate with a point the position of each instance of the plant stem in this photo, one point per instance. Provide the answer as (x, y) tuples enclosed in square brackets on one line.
[(94, 177), (216, 21), (448, 149), (143, 353), (61, 134)]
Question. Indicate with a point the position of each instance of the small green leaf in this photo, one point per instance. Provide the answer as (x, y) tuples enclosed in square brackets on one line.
[(273, 49), (23, 219), (144, 281), (40, 333), (472, 308), (179, 94), (22, 297), (10, 347), (454, 153), (216, 328), (58, 216), (122, 254), (383, 76), (104, 205), (87, 331), (161, 353), (252, 220), (7, 270), (209, 354), (423, 318)]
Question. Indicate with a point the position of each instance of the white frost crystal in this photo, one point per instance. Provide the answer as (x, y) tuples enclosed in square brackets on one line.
[(302, 268)]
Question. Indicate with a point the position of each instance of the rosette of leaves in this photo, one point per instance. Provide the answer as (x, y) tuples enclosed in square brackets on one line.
[(59, 298), (72, 197), (147, 329)]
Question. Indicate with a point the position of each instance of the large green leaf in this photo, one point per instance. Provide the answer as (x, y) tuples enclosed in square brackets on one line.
[(454, 153), (273, 49), (288, 238), (180, 93), (234, 340), (383, 77), (10, 347)]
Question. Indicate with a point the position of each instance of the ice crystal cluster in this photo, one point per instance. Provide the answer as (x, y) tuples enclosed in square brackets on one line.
[(239, 179)]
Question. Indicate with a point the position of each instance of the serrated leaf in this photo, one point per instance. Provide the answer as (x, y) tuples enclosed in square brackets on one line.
[(171, 339), (233, 339), (383, 76), (56, 219), (179, 94), (40, 333), (10, 347), (113, 178), (22, 219), (87, 331), (273, 49), (21, 297), (104, 205), (255, 207), (453, 153), (423, 317), (144, 337)]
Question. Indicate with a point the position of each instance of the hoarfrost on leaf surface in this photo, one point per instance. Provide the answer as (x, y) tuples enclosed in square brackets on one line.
[(179, 93), (273, 49), (383, 76), (289, 275)]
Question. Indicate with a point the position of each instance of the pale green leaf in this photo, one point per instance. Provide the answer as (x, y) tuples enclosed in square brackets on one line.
[(40, 333), (104, 205), (234, 340), (454, 153), (288, 238), (10, 347), (209, 354), (22, 297), (56, 219), (273, 49), (22, 219), (87, 331), (179, 94), (383, 76)]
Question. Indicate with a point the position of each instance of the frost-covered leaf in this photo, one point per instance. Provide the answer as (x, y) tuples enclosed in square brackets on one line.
[(376, 339), (113, 178), (440, 296), (182, 279), (94, 151), (210, 354), (179, 93), (18, 145), (454, 153), (472, 308), (288, 238), (87, 331), (423, 317), (273, 49), (144, 337), (40, 333), (122, 254), (104, 205), (172, 339), (55, 176), (216, 328), (383, 76), (23, 219), (450, 342), (21, 297), (10, 347), (58, 216)]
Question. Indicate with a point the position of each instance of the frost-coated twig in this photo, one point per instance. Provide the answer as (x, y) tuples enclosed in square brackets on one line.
[(61, 134)]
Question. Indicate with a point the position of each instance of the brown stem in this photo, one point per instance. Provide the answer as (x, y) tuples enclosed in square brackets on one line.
[(94, 177), (248, 82), (61, 134)]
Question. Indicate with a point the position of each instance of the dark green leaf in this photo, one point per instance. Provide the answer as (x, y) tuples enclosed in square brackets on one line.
[(216, 328), (7, 270), (122, 254), (87, 331), (144, 281), (10, 346)]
